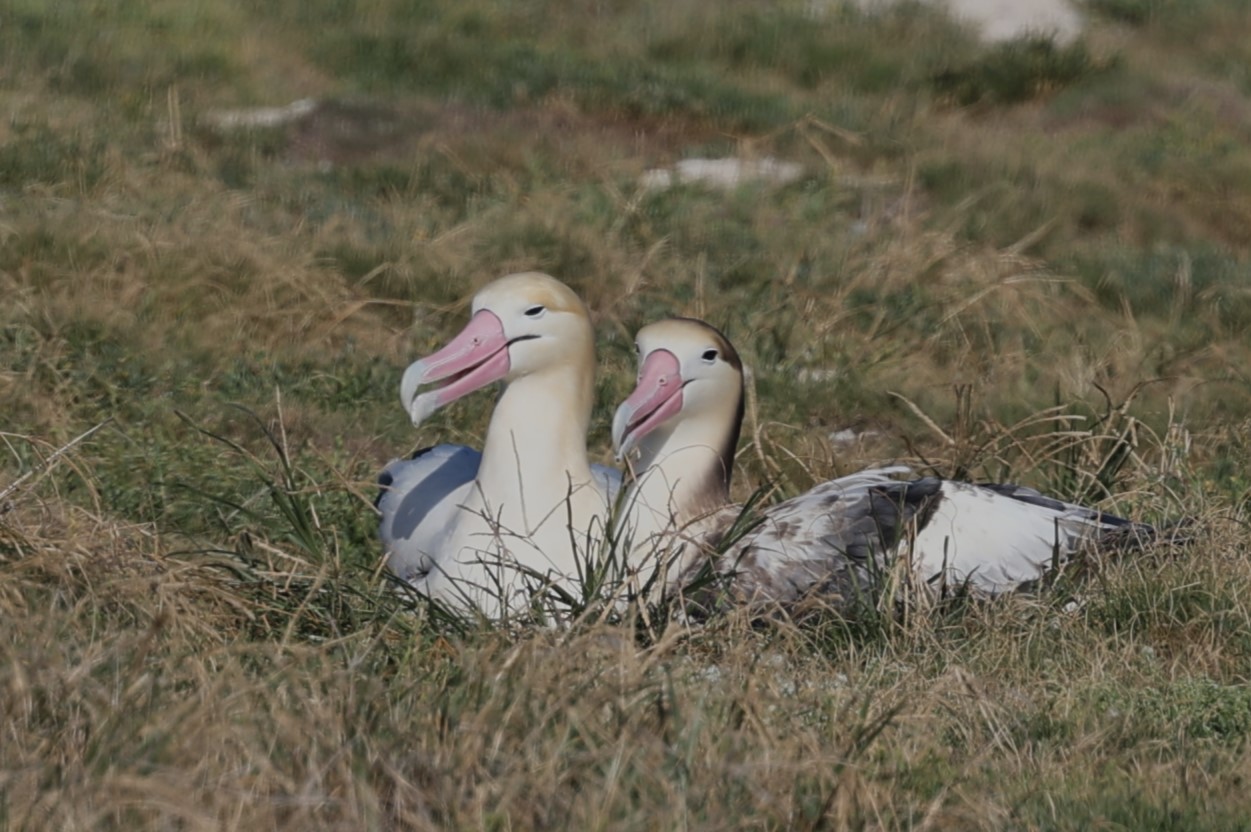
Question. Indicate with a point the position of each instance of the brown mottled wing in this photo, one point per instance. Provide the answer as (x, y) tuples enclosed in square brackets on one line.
[(834, 542)]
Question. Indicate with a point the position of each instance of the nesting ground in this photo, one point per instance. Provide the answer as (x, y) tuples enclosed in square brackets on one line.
[(1022, 261)]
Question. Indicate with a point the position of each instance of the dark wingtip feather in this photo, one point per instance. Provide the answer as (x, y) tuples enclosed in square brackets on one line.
[(1135, 537), (386, 480), (1025, 494)]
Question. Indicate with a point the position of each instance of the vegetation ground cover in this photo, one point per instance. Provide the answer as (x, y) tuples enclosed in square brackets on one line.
[(1023, 262)]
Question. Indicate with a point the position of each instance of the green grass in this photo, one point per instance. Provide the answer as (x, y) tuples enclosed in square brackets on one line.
[(1017, 71), (1017, 241)]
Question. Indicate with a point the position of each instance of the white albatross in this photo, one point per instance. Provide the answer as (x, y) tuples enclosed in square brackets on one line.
[(832, 544), (420, 496), (477, 530)]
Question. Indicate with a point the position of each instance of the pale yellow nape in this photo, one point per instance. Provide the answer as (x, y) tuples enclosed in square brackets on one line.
[(535, 288)]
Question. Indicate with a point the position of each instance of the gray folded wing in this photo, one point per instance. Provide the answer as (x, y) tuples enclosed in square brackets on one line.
[(418, 501)]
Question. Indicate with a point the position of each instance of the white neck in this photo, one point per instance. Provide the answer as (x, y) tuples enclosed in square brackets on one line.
[(534, 501), (680, 478), (535, 448)]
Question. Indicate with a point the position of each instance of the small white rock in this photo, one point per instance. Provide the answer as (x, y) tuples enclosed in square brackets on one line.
[(711, 674), (727, 174), (817, 374), (847, 436), (253, 117), (1003, 20)]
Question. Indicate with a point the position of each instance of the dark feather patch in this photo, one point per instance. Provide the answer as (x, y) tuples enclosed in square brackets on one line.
[(1037, 498), (386, 479)]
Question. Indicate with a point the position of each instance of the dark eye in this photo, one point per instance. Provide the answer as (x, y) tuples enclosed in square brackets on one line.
[(638, 350), (535, 311), (709, 356)]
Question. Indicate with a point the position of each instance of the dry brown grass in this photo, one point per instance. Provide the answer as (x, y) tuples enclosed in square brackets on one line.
[(196, 634), (132, 697)]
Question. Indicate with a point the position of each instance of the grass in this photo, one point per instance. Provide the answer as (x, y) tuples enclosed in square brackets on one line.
[(1023, 262)]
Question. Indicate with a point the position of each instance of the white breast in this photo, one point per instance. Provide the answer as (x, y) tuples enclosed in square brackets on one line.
[(421, 497)]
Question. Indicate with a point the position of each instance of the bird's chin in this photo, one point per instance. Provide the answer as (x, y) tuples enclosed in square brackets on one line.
[(422, 406)]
